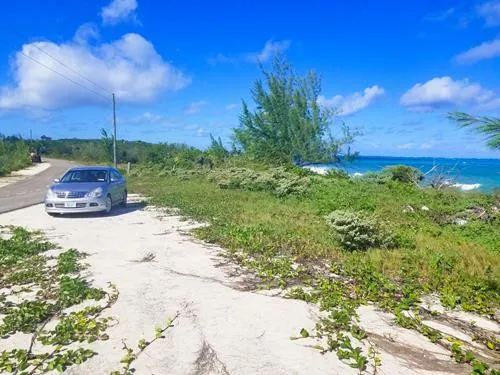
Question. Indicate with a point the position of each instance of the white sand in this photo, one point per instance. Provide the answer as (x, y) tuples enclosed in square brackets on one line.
[(224, 328), (23, 173)]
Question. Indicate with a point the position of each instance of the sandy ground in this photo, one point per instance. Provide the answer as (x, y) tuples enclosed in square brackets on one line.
[(23, 174), (225, 326)]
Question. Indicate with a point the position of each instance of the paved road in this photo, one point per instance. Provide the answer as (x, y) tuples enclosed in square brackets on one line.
[(31, 190)]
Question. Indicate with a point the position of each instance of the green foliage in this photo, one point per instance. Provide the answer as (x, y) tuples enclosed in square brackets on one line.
[(25, 317), (131, 355), (288, 123), (77, 326), (67, 262), (73, 291), (285, 241), (399, 173), (23, 263), (278, 181), (357, 232), (404, 174), (489, 126), (217, 150), (20, 245), (14, 154)]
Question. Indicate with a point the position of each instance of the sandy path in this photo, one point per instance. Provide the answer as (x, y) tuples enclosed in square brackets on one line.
[(223, 328)]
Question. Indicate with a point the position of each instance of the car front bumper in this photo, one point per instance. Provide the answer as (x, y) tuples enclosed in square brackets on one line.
[(74, 206)]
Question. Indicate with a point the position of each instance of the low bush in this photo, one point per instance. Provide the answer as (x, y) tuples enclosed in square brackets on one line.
[(357, 232), (404, 174), (278, 181), (13, 156), (399, 173)]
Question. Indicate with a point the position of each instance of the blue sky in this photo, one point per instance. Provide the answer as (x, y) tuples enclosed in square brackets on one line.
[(180, 69)]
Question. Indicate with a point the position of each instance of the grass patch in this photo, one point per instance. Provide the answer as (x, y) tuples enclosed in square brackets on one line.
[(284, 238)]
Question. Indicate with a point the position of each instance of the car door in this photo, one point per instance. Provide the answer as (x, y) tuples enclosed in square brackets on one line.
[(117, 186)]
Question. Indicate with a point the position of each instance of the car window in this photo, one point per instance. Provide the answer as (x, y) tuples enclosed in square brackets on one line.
[(86, 175), (115, 176)]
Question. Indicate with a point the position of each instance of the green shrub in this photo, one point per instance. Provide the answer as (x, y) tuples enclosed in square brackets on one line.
[(404, 174), (278, 181), (357, 232)]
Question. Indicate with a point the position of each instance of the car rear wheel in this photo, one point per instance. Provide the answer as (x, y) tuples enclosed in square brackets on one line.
[(123, 203), (109, 204)]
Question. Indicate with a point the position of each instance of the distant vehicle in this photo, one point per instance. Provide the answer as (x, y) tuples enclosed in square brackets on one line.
[(35, 157), (86, 189)]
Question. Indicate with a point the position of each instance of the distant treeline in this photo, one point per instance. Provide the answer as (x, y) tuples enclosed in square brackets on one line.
[(14, 151)]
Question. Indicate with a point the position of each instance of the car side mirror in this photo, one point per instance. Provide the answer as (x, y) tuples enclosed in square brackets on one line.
[(56, 180)]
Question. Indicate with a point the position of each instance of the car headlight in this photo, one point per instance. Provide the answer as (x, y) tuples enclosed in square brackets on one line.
[(51, 194), (96, 193)]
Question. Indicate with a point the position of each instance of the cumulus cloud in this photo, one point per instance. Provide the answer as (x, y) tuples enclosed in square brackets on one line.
[(269, 50), (484, 51), (352, 103), (195, 107), (490, 11), (130, 67), (119, 11), (444, 91)]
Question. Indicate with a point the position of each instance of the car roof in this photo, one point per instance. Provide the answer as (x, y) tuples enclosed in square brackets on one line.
[(91, 168)]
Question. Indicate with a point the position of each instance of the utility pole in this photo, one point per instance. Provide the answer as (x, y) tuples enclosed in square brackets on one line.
[(114, 131)]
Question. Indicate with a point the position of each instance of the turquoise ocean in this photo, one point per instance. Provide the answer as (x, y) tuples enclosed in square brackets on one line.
[(465, 174)]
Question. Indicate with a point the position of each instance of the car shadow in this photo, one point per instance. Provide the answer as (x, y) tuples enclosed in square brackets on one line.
[(117, 211)]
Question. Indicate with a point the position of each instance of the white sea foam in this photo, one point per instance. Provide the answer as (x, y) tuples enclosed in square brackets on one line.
[(467, 187)]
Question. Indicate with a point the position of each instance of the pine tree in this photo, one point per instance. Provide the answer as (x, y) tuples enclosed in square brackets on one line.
[(287, 124)]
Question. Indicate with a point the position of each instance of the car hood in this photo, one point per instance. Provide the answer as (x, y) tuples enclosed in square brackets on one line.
[(78, 186)]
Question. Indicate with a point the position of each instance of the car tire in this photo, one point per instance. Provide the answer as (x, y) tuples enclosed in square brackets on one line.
[(123, 203), (109, 204)]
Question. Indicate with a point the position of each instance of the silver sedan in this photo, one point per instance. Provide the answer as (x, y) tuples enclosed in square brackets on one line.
[(86, 189)]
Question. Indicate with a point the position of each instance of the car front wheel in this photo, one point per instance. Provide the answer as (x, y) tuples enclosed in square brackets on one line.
[(109, 204), (123, 203)]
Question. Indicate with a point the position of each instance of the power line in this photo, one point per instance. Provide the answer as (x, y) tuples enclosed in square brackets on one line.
[(70, 69), (62, 63), (62, 75)]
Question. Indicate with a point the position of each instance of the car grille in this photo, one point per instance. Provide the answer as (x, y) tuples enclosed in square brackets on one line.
[(70, 194), (78, 205)]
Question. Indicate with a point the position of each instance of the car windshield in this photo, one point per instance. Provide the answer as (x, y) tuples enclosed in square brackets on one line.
[(87, 175)]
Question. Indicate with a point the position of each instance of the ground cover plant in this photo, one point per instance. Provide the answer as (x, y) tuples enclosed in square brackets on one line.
[(394, 242), (35, 292)]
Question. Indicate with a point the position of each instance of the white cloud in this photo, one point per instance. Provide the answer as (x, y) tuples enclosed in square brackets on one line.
[(440, 16), (230, 107), (407, 146), (490, 11), (269, 50), (148, 117), (444, 91), (129, 66), (119, 11), (220, 59), (484, 51), (86, 32), (352, 103), (195, 107)]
